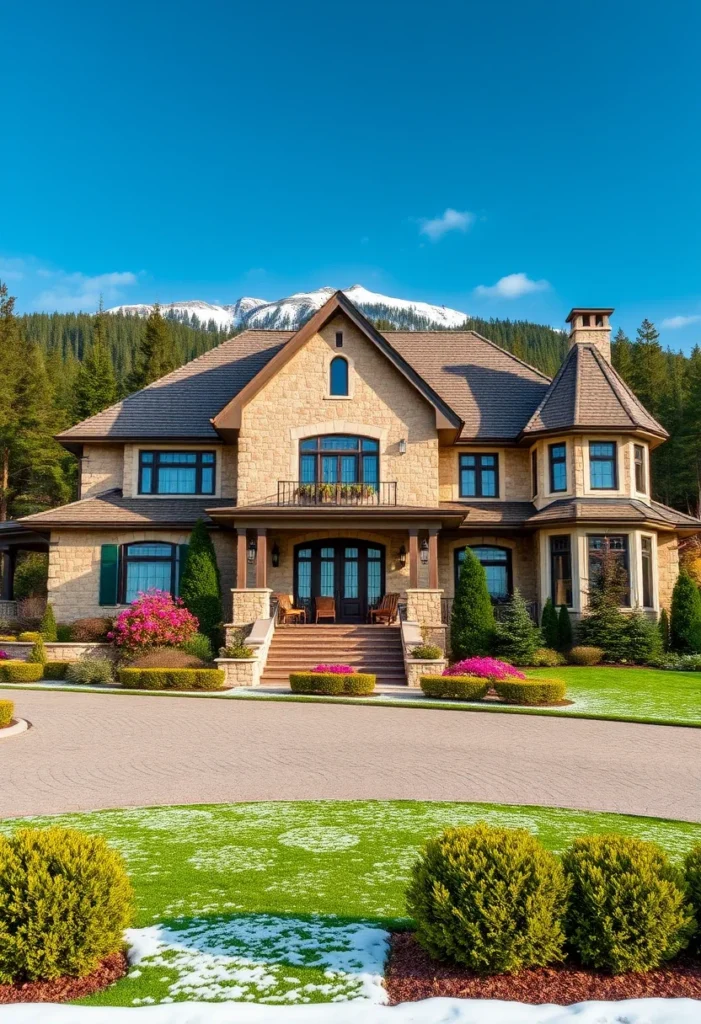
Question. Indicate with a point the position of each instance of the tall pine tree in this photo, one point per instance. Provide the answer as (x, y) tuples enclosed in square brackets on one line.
[(157, 354), (95, 385)]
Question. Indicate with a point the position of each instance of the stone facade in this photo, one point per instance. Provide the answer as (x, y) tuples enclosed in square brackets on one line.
[(249, 605), (667, 567), (523, 560), (514, 472), (101, 468), (424, 606), (225, 484)]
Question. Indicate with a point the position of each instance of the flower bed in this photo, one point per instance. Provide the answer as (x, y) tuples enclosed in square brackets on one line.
[(455, 687), (484, 668), (172, 678), (333, 684)]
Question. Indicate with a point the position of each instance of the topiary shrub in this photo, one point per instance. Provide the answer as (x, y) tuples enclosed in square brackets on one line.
[(530, 691), (7, 710), (685, 622), (545, 657), (38, 652), (628, 910), (65, 900), (47, 626), (20, 671), (517, 637), (548, 625), (454, 687), (167, 657), (200, 586), (90, 631), (90, 672), (172, 678), (582, 655), (663, 626), (333, 684), (55, 669), (564, 629), (692, 872), (472, 619), (492, 899), (199, 646)]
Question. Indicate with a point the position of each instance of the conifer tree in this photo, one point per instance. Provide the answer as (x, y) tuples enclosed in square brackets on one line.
[(472, 623), (649, 368), (548, 625), (47, 626), (663, 626), (157, 354), (685, 624), (517, 636), (199, 583), (622, 355), (564, 629), (95, 385)]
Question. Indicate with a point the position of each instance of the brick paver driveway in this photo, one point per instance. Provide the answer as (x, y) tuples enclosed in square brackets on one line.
[(87, 751)]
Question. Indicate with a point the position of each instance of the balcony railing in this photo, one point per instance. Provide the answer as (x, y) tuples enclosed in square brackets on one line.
[(296, 492)]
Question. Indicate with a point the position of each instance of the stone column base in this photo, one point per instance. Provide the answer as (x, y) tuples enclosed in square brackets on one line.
[(250, 604), (424, 606)]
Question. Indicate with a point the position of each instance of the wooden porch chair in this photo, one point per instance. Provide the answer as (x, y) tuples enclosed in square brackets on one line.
[(288, 612), (386, 610), (325, 608)]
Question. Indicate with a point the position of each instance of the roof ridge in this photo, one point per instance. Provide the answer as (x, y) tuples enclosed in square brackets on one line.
[(516, 359), (71, 504), (576, 349), (605, 367), (550, 390), (629, 394)]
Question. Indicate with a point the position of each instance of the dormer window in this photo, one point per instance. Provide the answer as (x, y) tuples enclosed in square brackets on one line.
[(338, 377), (176, 472)]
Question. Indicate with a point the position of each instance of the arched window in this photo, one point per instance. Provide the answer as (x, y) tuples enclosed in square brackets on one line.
[(339, 459), (338, 376), (497, 566), (147, 566)]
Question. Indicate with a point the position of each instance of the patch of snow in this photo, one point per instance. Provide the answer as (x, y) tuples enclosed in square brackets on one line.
[(232, 860), (319, 840)]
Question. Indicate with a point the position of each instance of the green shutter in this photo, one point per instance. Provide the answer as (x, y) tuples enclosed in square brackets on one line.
[(109, 574), (182, 557)]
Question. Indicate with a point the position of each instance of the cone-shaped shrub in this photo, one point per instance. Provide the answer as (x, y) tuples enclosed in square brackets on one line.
[(628, 909), (685, 626), (548, 626), (564, 629), (692, 866), (490, 898), (47, 626), (472, 620), (65, 900), (199, 583), (38, 652), (663, 626), (517, 636)]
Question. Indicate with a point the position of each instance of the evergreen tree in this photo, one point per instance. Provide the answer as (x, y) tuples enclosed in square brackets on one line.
[(157, 354), (548, 625), (604, 625), (47, 626), (622, 355), (517, 636), (199, 583), (685, 624), (95, 385), (649, 367), (664, 629), (564, 629), (472, 621)]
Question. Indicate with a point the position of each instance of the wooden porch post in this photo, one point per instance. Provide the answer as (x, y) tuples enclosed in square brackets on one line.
[(262, 558), (413, 559), (241, 557), (433, 559)]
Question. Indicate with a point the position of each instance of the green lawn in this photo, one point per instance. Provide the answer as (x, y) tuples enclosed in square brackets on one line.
[(286, 902)]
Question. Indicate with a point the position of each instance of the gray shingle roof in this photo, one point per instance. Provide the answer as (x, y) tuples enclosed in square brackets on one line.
[(492, 513), (112, 508), (612, 510)]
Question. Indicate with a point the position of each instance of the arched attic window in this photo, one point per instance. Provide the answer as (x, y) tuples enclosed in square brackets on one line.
[(338, 377)]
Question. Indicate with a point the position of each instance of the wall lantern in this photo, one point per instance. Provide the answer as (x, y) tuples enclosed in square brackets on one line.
[(276, 556), (402, 557), (424, 551), (402, 446), (251, 551)]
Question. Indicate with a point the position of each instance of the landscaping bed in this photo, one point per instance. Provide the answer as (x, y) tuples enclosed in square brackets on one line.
[(63, 990)]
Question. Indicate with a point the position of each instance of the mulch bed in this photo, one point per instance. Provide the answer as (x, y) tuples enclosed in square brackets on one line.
[(61, 990), (412, 975)]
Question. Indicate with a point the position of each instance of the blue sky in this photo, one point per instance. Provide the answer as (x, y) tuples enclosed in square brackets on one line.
[(215, 149)]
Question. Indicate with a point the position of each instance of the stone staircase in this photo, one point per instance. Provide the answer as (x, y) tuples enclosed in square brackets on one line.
[(376, 649)]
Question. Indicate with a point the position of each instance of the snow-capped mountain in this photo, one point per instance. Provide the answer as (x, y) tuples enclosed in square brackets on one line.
[(291, 312)]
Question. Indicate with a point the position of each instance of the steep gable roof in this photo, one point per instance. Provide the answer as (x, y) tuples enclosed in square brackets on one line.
[(588, 393)]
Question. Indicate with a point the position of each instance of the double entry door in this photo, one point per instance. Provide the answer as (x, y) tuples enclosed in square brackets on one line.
[(351, 571)]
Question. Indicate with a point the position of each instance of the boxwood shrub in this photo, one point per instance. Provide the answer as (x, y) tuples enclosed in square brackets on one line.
[(455, 687), (12, 671), (65, 900), (172, 678), (55, 669), (333, 684), (530, 691), (7, 710)]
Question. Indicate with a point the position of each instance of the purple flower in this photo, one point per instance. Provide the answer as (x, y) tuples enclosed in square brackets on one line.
[(339, 670), (4, 655), (484, 668)]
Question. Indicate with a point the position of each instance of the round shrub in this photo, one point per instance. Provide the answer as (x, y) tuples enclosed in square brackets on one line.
[(530, 691), (172, 678), (65, 900), (20, 671), (199, 646), (90, 631), (585, 655), (485, 668), (29, 637), (167, 657), (333, 684), (455, 687), (692, 867), (426, 652), (545, 657), (492, 899), (7, 710), (56, 669), (628, 910), (236, 650), (90, 672)]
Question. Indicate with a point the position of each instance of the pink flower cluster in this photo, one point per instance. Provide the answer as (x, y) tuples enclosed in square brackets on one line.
[(484, 668), (4, 655), (154, 619), (339, 670)]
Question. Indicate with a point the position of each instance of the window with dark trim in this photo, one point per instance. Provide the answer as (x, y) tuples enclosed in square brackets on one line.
[(617, 545), (603, 475), (339, 459), (164, 472), (586, 320), (639, 459), (558, 467), (338, 376), (561, 570), (146, 566), (534, 472), (496, 562), (339, 339), (648, 589), (479, 476)]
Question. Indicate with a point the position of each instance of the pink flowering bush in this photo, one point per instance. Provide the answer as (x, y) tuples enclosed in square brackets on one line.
[(4, 655), (339, 670), (154, 619), (484, 668)]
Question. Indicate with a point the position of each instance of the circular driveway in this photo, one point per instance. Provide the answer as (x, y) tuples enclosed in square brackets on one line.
[(89, 751)]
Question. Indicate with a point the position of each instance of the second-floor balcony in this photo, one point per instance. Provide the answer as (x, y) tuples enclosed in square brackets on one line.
[(297, 492)]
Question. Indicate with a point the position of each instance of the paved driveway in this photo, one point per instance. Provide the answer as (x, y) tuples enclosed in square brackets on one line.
[(87, 751)]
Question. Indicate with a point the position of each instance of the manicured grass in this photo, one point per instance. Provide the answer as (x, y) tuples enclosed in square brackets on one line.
[(285, 902)]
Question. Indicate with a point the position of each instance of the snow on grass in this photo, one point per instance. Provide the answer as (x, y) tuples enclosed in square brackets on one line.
[(319, 840)]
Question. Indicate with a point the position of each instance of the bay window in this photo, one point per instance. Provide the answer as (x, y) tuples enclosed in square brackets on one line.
[(616, 546), (558, 467), (561, 570), (640, 475), (603, 474), (648, 586)]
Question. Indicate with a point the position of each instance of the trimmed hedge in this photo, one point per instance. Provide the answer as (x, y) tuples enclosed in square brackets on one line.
[(21, 671), (7, 710), (530, 691), (172, 678), (455, 687), (333, 684), (29, 637), (55, 669)]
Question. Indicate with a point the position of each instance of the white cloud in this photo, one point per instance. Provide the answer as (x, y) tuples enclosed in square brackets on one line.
[(513, 286), (450, 220), (11, 270), (673, 322), (77, 291)]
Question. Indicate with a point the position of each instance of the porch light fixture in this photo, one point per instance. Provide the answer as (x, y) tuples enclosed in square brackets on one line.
[(251, 551), (275, 556), (402, 557), (402, 446), (424, 551)]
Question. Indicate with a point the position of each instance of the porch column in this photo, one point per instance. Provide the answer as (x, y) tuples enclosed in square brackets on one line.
[(262, 559), (413, 558), (241, 559), (9, 558), (433, 559)]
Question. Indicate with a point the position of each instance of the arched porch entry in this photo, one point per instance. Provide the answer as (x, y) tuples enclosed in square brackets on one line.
[(349, 570)]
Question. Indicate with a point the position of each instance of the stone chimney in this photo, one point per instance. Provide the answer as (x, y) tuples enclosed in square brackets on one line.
[(591, 327)]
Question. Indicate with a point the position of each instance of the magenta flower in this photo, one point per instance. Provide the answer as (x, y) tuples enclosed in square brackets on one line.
[(484, 668), (339, 670), (4, 655), (154, 619)]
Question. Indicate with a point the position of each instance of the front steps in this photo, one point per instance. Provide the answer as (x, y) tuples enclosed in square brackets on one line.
[(375, 649)]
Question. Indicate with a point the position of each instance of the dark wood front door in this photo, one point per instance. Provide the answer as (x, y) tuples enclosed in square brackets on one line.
[(350, 571)]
